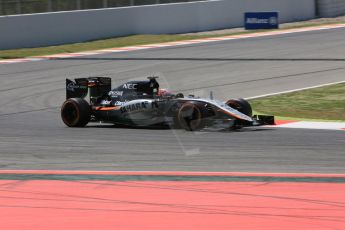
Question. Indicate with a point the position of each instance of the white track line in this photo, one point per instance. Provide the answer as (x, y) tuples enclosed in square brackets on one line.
[(294, 90), (314, 125)]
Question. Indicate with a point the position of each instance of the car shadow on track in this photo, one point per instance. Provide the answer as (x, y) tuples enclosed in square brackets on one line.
[(205, 130)]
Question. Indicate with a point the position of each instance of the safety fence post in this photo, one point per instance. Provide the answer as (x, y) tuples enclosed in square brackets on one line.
[(18, 7), (50, 6), (78, 4)]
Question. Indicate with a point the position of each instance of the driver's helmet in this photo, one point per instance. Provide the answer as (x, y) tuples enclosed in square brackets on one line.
[(164, 93)]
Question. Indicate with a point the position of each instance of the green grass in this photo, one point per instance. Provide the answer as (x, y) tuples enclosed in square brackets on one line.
[(115, 42), (324, 103)]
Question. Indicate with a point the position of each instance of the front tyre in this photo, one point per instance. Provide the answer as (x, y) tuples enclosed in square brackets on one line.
[(241, 105), (75, 112)]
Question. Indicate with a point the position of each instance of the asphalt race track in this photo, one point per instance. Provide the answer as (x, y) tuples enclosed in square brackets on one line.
[(32, 135)]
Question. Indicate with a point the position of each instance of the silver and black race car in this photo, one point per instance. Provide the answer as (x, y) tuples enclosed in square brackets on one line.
[(144, 104)]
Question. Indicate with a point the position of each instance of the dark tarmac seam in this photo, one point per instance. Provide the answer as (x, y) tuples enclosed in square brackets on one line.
[(78, 177)]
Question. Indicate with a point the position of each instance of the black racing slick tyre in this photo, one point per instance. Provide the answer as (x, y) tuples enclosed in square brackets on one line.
[(241, 105), (191, 116), (75, 112)]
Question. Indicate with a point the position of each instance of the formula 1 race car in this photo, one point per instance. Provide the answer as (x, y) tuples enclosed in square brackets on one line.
[(144, 104)]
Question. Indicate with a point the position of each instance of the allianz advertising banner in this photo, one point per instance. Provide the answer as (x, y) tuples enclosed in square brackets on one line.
[(261, 20)]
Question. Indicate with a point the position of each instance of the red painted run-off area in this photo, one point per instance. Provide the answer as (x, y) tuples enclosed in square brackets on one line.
[(169, 205)]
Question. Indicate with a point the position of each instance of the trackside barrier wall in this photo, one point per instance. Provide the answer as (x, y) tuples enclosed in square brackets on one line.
[(331, 8), (76, 26)]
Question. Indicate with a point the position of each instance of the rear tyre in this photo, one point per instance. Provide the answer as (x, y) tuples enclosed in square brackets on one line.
[(191, 116), (75, 112), (241, 105)]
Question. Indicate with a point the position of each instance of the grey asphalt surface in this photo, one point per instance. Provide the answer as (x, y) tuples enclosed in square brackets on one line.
[(32, 135)]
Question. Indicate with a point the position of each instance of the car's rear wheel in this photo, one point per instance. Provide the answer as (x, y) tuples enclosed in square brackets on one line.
[(241, 105), (191, 116), (75, 112)]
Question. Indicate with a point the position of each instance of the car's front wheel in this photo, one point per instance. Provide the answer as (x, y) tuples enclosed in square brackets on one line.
[(241, 105), (75, 112)]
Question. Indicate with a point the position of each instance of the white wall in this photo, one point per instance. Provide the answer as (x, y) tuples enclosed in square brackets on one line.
[(331, 8), (77, 26)]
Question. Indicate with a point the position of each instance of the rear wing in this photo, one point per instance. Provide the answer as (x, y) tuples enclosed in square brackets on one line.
[(95, 87), (77, 88)]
